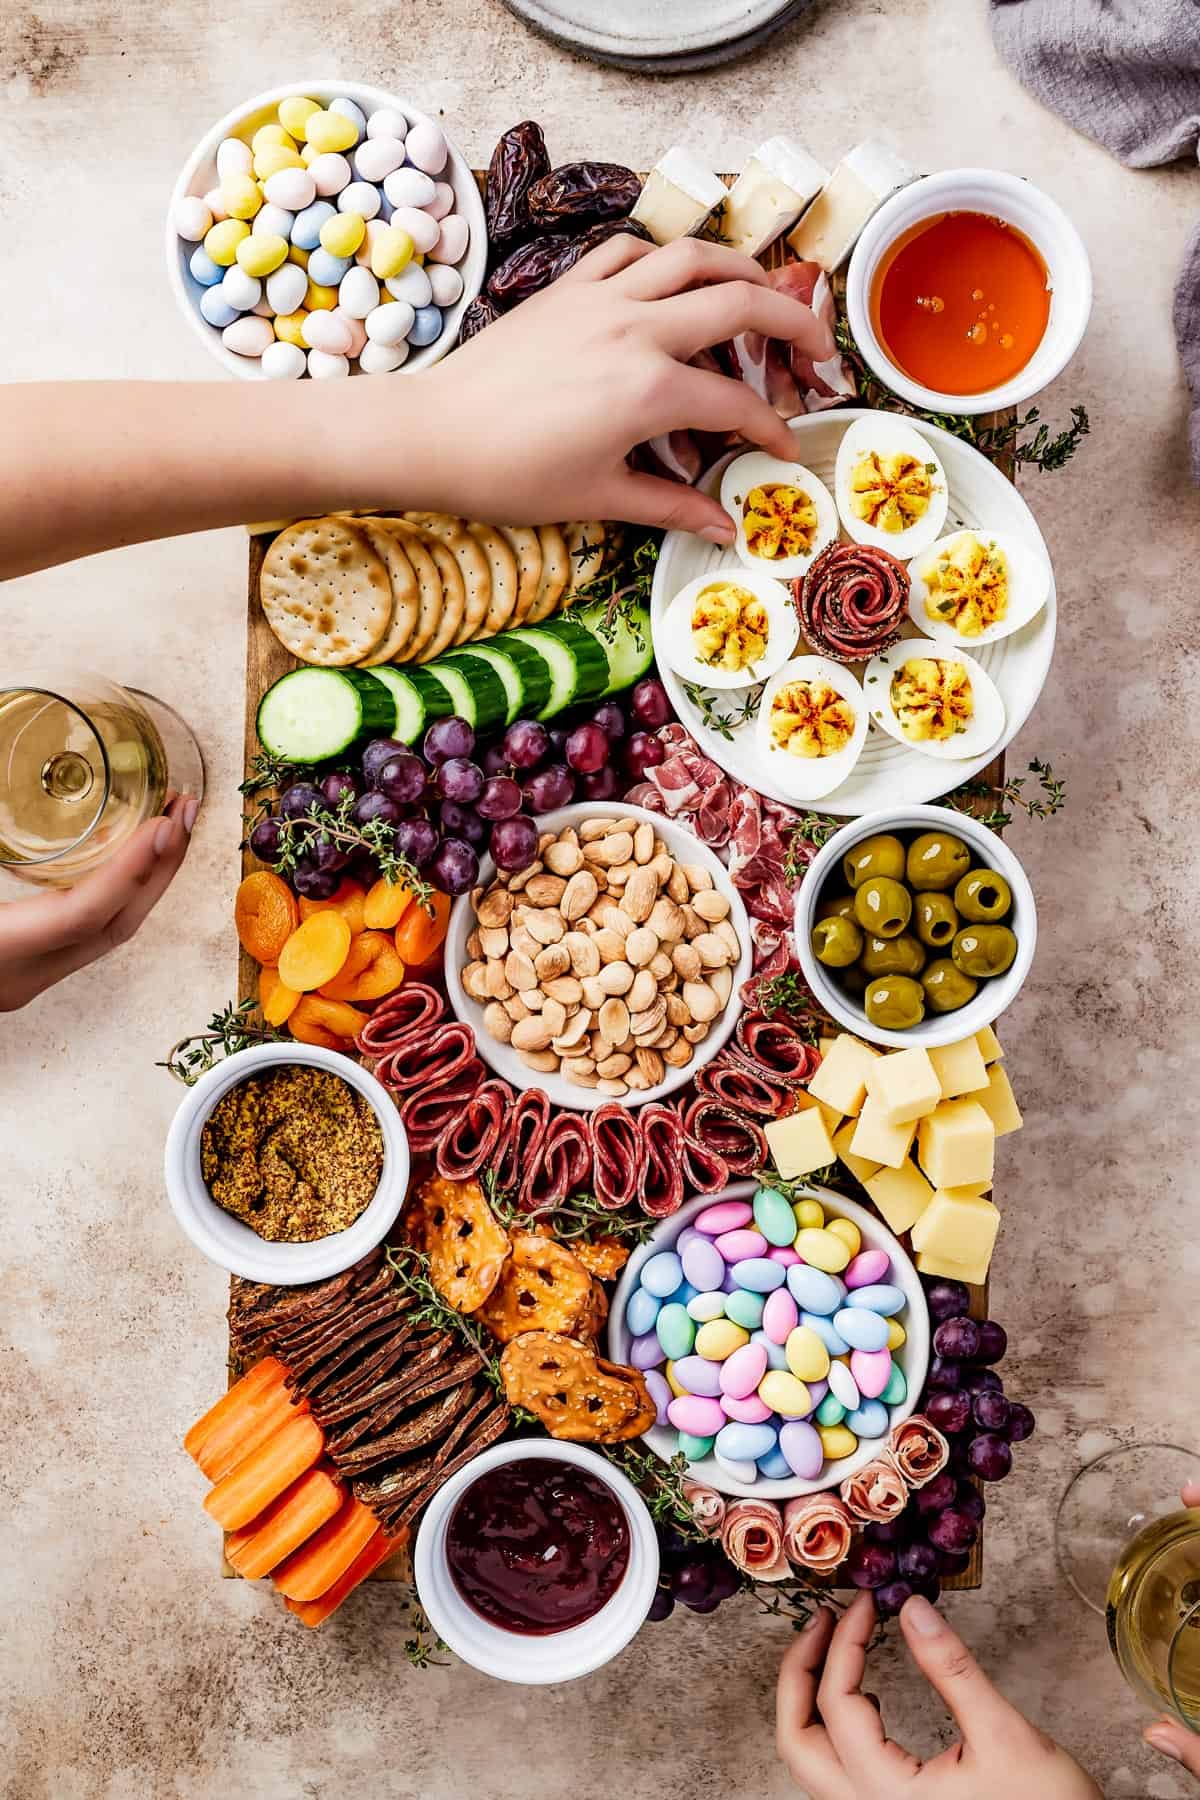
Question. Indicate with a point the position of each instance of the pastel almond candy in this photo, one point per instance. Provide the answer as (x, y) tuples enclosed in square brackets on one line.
[(759, 1274), (748, 1411), (830, 1412), (780, 1315), (641, 1312), (786, 1257), (815, 1291), (837, 1441), (807, 1357), (703, 1264), (871, 1370), (696, 1414), (646, 1352), (862, 1330), (695, 1448), (659, 1390), (896, 1391), (801, 1445), (698, 1376), (676, 1332), (705, 1307), (870, 1420), (776, 1355), (745, 1443), (737, 1468), (879, 1297), (735, 1246), (825, 1330), (726, 1215), (849, 1233), (824, 1249), (774, 1466), (745, 1308), (742, 1372), (785, 1394), (662, 1274), (774, 1217), (719, 1339), (867, 1267), (843, 1386)]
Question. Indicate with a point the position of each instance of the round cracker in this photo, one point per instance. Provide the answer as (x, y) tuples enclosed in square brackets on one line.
[(556, 572), (325, 593), (526, 547), (503, 566), (454, 600), (429, 586), (476, 572), (585, 547), (405, 606)]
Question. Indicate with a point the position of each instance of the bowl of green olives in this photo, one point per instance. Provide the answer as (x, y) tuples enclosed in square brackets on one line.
[(915, 926)]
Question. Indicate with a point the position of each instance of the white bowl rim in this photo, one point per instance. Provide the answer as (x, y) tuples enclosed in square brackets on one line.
[(993, 997), (252, 1257), (512, 1656), (561, 1092), (1062, 237), (472, 268), (914, 1353)]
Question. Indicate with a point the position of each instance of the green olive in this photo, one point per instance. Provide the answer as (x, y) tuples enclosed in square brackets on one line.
[(984, 950), (936, 859), (901, 955), (946, 986), (983, 896), (840, 906), (895, 1002), (935, 918), (837, 942), (880, 855), (882, 906), (853, 980)]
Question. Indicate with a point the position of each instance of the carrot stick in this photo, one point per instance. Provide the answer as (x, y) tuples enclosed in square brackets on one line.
[(312, 1569), (286, 1524), (234, 1405), (260, 1477), (378, 1549)]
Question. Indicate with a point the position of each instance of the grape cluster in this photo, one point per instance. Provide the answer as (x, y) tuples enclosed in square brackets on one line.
[(697, 1575), (964, 1397)]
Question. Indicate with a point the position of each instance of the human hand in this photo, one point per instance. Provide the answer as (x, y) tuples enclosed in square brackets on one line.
[(531, 421), (53, 933), (832, 1738), (1168, 1735)]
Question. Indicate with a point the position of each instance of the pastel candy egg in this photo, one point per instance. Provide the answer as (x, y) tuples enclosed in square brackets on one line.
[(290, 188), (342, 234), (659, 1391), (867, 1267), (646, 1352), (749, 1410), (330, 174), (306, 230), (849, 1233), (810, 1215), (643, 1306), (426, 326), (705, 1307), (358, 293), (326, 269), (390, 256), (774, 1466), (264, 309), (719, 1339), (273, 221), (233, 158), (203, 268), (241, 196), (801, 1445), (737, 1245), (818, 1390), (813, 1290), (324, 331), (703, 1263), (745, 1443), (837, 1441), (695, 1413), (283, 362), (381, 359), (426, 147), (684, 1292), (843, 1386), (222, 240), (215, 205), (744, 1309), (661, 1274), (896, 1334), (776, 1355), (288, 327), (216, 309), (824, 1328), (830, 1412), (737, 1468), (445, 283), (361, 198), (896, 1391), (725, 1215), (423, 230), (759, 1274), (239, 289), (298, 256), (672, 1380), (453, 239), (271, 136), (780, 1315), (408, 187), (378, 157), (870, 1420), (362, 255), (191, 218), (696, 1375), (879, 1297), (686, 1236), (871, 1369), (248, 336), (806, 1355), (273, 157), (862, 1330), (443, 200), (785, 1394), (741, 1373), (784, 1255), (387, 122), (261, 256), (694, 1448), (823, 1249), (729, 1282), (286, 288), (329, 133), (350, 109), (294, 114), (676, 1332)]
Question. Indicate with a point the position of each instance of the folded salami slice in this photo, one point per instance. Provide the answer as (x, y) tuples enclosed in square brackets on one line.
[(776, 1048), (818, 1530), (432, 1058), (735, 1138), (617, 1155), (752, 1539), (410, 1009), (704, 1171), (852, 602), (469, 1142), (522, 1142), (878, 1492), (736, 1083), (660, 1179), (427, 1114), (563, 1167), (920, 1450)]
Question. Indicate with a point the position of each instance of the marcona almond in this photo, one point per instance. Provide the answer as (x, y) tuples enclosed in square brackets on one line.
[(700, 1001), (517, 882), (515, 1007), (578, 894), (661, 863), (644, 991), (495, 981), (474, 980), (693, 924), (554, 959), (641, 892), (494, 940), (650, 1064), (496, 907), (612, 1066), (640, 946), (666, 1037), (566, 989), (574, 1031), (474, 948), (677, 1012), (615, 918), (544, 1061), (698, 878), (616, 978), (695, 1034), (594, 995), (709, 948), (613, 1020), (711, 905), (531, 1034), (677, 885), (591, 829), (648, 1024), (721, 983), (586, 1078), (547, 926), (554, 1015), (666, 918), (728, 936), (687, 961), (620, 875), (643, 842), (519, 971), (585, 957), (564, 859), (616, 1088), (678, 1055), (610, 944), (534, 999), (497, 1022), (637, 1082), (520, 939), (611, 850), (578, 1065), (546, 890), (660, 967)]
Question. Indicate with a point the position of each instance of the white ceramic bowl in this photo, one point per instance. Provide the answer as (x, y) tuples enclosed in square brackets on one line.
[(560, 1655), (199, 174), (684, 847), (993, 997), (1019, 204), (232, 1245), (912, 1356)]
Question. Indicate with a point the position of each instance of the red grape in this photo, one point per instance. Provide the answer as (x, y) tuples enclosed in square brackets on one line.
[(946, 1299), (953, 1562), (587, 749), (989, 1457), (957, 1338), (886, 1531), (458, 779), (338, 784), (298, 801), (314, 884), (649, 703), (969, 1500), (325, 854), (1021, 1423), (526, 743), (692, 1581), (500, 799), (455, 867), (724, 1581), (373, 806), (550, 788), (993, 1342), (266, 838), (991, 1410), (870, 1565), (642, 752), (514, 843), (416, 839), (458, 821), (603, 785), (949, 1411), (917, 1562), (446, 738), (662, 1605), (978, 1381), (611, 720), (494, 760), (889, 1599), (952, 1530), (939, 1492), (402, 778), (708, 1605), (376, 753), (943, 1373)]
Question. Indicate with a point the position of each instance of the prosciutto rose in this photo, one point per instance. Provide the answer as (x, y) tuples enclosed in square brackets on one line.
[(817, 1532), (920, 1450), (752, 1539), (878, 1492), (708, 1507)]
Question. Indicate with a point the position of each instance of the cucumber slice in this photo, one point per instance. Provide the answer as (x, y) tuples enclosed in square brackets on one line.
[(522, 670), (579, 668), (475, 689), (410, 706), (628, 646), (310, 714), (437, 698)]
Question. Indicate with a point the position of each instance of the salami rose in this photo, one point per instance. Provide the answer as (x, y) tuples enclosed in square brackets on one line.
[(879, 1492), (776, 1049), (920, 1450), (852, 602), (752, 1539), (817, 1532), (708, 1507)]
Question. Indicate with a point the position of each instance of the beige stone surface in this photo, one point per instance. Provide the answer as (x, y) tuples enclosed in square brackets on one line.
[(127, 1669)]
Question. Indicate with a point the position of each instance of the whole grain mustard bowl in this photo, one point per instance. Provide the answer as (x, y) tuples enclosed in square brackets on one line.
[(225, 1239)]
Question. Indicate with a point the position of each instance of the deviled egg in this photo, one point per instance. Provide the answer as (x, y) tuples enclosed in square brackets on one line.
[(934, 698), (728, 628), (976, 586), (890, 484), (812, 725), (784, 515)]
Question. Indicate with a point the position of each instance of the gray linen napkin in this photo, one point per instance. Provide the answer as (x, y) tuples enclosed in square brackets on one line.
[(1126, 73)]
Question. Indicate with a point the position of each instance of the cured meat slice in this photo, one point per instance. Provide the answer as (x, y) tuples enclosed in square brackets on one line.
[(471, 1139), (617, 1155), (527, 1125), (878, 1492), (427, 1114), (920, 1450), (852, 601), (752, 1539), (562, 1168), (741, 1085), (776, 1048), (735, 1138), (433, 1058), (704, 1171), (817, 1532), (410, 1009), (660, 1178)]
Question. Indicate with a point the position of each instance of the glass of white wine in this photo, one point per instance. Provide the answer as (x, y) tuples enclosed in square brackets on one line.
[(1131, 1551), (82, 763)]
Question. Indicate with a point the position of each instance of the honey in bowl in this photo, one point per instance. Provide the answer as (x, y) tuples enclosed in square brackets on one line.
[(960, 302)]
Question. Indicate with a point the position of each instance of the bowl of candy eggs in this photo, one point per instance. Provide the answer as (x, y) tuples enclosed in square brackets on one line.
[(782, 1337), (325, 229)]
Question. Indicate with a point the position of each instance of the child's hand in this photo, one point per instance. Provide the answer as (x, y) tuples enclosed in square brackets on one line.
[(833, 1741), (55, 932)]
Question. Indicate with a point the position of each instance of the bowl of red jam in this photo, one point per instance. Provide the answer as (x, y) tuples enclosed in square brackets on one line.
[(537, 1562)]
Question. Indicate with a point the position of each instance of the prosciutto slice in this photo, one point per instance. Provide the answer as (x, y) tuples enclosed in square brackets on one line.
[(878, 1492), (920, 1450), (818, 1530), (708, 1507), (752, 1539)]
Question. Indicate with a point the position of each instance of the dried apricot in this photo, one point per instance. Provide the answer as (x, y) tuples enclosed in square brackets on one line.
[(420, 933), (347, 898), (335, 1015), (371, 970), (386, 904), (278, 1001), (265, 914), (308, 1029), (315, 951)]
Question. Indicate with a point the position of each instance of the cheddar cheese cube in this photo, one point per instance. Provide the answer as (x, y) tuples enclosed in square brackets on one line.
[(960, 1229), (900, 1195), (960, 1068), (974, 1274), (841, 1080), (878, 1141), (956, 1144), (799, 1144), (830, 1114), (904, 1085), (861, 1167), (999, 1102), (989, 1044)]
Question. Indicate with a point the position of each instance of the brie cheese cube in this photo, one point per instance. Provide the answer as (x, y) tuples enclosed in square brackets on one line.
[(858, 187), (999, 1102), (770, 194), (881, 1142), (959, 1230), (799, 1144), (904, 1085), (678, 196), (900, 1195), (861, 1167), (989, 1044), (974, 1274), (956, 1144), (841, 1080), (960, 1068)]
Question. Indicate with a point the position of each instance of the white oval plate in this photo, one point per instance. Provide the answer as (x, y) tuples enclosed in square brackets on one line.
[(887, 773)]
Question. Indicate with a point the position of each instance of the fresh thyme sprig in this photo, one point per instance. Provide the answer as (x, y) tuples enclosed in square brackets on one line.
[(797, 1601), (999, 804), (787, 993), (337, 826), (809, 833), (713, 229), (268, 771), (623, 591), (659, 1483), (578, 1217), (423, 1648), (233, 1028), (411, 1269), (726, 723)]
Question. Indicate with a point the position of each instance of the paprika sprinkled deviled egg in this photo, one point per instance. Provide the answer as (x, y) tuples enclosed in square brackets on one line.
[(934, 698), (728, 629), (812, 725), (976, 586), (784, 515), (890, 485)]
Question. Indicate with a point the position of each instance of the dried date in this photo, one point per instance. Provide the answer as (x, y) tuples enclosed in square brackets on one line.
[(481, 312), (533, 266), (581, 191), (519, 160)]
